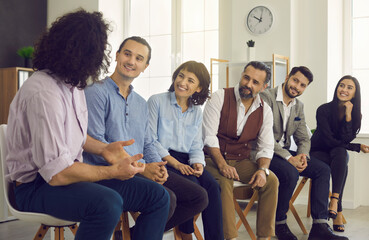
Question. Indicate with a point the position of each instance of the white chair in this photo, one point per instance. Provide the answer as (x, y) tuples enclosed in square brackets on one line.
[(45, 220)]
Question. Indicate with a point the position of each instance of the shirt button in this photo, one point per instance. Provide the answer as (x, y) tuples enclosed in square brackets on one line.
[(239, 155), (225, 153), (126, 114), (245, 144)]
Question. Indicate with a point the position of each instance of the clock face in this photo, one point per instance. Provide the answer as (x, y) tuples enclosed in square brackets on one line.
[(259, 20)]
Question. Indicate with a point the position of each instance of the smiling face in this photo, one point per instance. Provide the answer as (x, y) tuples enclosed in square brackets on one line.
[(131, 60), (252, 82), (346, 90), (186, 84), (295, 85)]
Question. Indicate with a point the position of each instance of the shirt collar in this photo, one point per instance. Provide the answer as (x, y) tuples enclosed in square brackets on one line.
[(115, 86), (280, 96), (173, 101)]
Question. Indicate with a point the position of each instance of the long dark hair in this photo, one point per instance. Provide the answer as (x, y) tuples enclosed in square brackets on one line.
[(199, 69), (356, 101), (74, 48)]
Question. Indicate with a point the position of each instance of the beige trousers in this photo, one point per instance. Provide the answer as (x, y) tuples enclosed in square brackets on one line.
[(267, 201)]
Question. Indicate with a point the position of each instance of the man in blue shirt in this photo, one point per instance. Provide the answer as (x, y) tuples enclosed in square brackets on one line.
[(116, 111)]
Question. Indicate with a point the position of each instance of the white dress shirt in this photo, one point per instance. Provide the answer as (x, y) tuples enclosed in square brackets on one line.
[(286, 111), (211, 120)]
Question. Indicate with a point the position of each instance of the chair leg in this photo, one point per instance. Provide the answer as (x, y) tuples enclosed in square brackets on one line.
[(197, 231), (73, 229), (298, 219), (122, 228), (248, 207), (243, 219), (177, 234), (59, 233), (41, 232), (308, 213), (292, 208)]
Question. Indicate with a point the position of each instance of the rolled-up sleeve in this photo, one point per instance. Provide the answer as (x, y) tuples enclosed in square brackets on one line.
[(196, 153), (265, 142), (211, 119), (46, 115)]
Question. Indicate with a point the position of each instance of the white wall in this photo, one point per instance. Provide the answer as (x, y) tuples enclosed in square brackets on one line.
[(311, 33), (112, 11)]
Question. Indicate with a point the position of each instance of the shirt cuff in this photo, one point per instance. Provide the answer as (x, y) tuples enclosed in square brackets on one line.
[(211, 141), (163, 153), (55, 166), (264, 154), (197, 159)]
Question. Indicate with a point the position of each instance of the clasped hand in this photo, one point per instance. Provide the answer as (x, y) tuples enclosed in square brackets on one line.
[(197, 169), (156, 171), (299, 162)]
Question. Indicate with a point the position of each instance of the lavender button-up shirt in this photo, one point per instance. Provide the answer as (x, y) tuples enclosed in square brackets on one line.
[(47, 128)]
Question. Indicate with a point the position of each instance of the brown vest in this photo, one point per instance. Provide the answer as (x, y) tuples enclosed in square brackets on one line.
[(232, 146)]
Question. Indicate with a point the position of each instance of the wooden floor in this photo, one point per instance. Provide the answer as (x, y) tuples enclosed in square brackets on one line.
[(357, 227)]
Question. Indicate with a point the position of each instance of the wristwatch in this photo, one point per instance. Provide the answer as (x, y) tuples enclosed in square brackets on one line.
[(266, 170)]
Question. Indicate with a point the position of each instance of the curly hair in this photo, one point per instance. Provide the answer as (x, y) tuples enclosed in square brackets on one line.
[(75, 48), (200, 71)]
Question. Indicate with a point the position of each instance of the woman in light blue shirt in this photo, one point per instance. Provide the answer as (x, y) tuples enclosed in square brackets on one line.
[(176, 121)]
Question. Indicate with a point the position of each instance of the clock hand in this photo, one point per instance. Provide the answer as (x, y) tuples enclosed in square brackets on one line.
[(261, 15), (257, 19)]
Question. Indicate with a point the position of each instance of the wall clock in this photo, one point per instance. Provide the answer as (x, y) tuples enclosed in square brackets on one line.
[(259, 20)]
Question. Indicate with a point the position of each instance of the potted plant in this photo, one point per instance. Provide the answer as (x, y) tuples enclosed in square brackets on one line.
[(27, 54), (250, 50), (250, 43)]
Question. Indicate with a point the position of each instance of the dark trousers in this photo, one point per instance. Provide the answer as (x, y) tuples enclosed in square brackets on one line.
[(212, 214), (187, 198), (337, 159), (98, 206), (288, 176)]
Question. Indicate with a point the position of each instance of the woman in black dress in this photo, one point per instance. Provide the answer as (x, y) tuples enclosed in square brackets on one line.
[(338, 123)]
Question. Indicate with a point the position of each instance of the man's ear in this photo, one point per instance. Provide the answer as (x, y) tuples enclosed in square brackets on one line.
[(264, 87), (145, 67)]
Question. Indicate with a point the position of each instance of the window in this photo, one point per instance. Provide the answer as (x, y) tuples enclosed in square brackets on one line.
[(177, 31), (360, 53)]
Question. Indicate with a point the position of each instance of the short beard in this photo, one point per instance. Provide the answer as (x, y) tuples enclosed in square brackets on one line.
[(243, 95), (288, 92)]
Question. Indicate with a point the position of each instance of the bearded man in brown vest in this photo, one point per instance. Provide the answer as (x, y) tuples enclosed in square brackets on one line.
[(238, 137)]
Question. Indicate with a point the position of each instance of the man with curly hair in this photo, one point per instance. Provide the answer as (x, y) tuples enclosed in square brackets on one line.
[(47, 133)]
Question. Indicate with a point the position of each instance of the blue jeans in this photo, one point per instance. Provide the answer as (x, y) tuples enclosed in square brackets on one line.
[(288, 176), (212, 215), (98, 206)]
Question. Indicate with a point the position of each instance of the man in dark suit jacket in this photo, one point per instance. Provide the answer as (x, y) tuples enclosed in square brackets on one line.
[(289, 120)]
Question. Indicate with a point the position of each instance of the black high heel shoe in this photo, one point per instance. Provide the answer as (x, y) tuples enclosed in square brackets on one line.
[(331, 213), (339, 227)]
